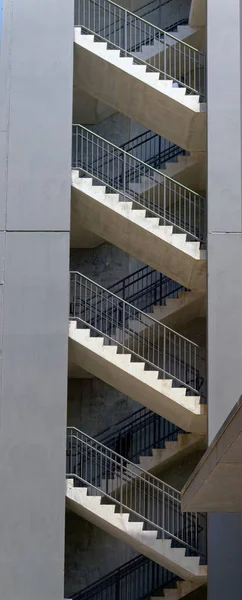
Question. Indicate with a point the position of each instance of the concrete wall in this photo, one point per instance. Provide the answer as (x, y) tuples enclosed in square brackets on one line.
[(224, 269), (93, 405), (35, 152), (90, 553), (105, 264)]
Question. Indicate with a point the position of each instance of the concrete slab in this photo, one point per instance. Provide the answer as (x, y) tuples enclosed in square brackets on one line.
[(216, 483)]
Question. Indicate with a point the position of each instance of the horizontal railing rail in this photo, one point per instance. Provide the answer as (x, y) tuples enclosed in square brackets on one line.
[(151, 41), (163, 197), (133, 331), (175, 59), (153, 149), (143, 495), (135, 580), (138, 434)]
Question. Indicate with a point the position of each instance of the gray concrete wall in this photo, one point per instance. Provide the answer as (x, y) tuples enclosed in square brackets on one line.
[(93, 405), (35, 153), (224, 269), (105, 264), (90, 553)]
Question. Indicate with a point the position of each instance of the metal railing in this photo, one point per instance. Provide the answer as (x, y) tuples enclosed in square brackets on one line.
[(137, 579), (158, 10), (162, 197), (170, 28), (144, 496), (146, 288), (138, 434), (134, 332), (173, 58), (152, 149)]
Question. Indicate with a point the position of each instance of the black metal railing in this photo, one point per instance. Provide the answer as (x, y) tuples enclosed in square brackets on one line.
[(135, 580), (158, 10), (90, 464), (138, 434), (146, 288), (135, 332), (153, 149), (162, 197)]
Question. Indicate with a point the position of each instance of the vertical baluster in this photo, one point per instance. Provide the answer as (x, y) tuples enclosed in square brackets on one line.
[(189, 209), (123, 325), (163, 510), (125, 31), (89, 16)]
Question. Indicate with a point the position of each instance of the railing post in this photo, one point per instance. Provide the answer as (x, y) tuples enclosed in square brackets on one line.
[(121, 485), (117, 588), (165, 55), (123, 324), (124, 175), (125, 32)]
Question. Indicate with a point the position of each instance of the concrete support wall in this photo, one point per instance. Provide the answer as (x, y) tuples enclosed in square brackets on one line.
[(35, 153), (90, 554), (224, 269), (105, 264)]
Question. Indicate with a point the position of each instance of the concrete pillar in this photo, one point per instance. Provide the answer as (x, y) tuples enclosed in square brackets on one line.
[(35, 151), (224, 270)]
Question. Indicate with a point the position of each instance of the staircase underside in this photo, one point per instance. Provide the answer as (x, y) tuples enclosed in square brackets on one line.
[(197, 16), (133, 236), (162, 459), (179, 311), (138, 100), (189, 171)]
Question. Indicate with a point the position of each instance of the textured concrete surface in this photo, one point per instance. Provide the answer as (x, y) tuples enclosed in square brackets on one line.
[(90, 553), (106, 264), (93, 405)]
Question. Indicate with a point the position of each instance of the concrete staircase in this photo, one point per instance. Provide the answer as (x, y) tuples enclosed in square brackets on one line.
[(133, 533), (188, 170), (160, 460), (182, 589), (174, 451), (175, 313), (122, 224), (137, 93), (184, 33), (131, 378)]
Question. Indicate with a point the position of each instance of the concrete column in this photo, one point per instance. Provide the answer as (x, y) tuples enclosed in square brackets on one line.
[(224, 270), (35, 153)]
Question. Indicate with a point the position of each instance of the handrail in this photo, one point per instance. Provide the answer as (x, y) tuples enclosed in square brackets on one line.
[(175, 204), (141, 413), (120, 149), (166, 150), (114, 456), (135, 287), (111, 476), (131, 306), (138, 434), (133, 331)]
